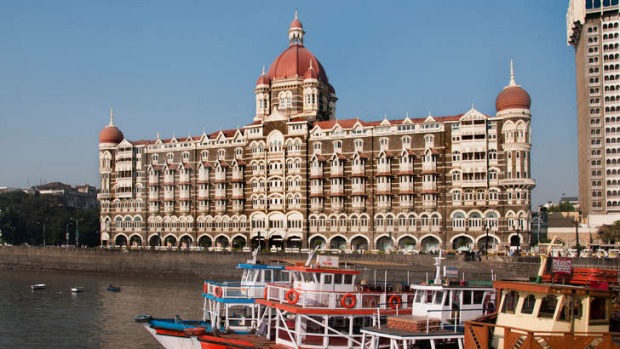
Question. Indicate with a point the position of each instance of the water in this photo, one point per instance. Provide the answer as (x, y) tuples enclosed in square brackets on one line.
[(95, 318)]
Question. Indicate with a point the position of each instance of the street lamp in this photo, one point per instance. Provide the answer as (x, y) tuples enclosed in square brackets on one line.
[(486, 240), (577, 231)]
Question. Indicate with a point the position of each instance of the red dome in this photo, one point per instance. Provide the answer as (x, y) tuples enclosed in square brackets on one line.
[(111, 134), (295, 24), (263, 80), (294, 62), (513, 97)]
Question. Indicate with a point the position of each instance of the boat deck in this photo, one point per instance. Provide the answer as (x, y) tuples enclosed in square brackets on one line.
[(258, 342), (385, 331)]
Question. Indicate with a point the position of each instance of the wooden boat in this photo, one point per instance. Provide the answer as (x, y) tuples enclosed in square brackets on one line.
[(35, 287), (575, 313), (113, 288), (437, 314), (77, 289)]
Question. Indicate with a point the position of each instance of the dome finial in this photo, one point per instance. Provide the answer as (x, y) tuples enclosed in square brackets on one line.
[(111, 117), (296, 32), (263, 69), (296, 14), (512, 75)]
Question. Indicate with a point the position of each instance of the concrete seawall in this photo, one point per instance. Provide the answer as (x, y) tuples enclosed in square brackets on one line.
[(221, 265)]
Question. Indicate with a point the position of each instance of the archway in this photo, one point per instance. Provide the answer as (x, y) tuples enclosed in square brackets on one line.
[(385, 243), (186, 242), (170, 241), (515, 242), (155, 241), (317, 240), (120, 240), (430, 244), (239, 242), (256, 241), (338, 243), (462, 244), (359, 243), (135, 241), (221, 241), (205, 241), (293, 242), (407, 243), (487, 243), (276, 241)]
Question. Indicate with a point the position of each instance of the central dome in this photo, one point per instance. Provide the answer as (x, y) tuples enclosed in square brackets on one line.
[(294, 62)]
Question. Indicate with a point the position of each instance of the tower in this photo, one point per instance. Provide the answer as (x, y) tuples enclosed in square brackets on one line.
[(592, 29)]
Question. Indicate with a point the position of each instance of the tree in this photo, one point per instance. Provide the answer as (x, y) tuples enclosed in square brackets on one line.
[(564, 206), (609, 232), (23, 217)]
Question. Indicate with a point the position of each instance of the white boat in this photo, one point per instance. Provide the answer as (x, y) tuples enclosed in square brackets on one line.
[(438, 312), (38, 286), (77, 289)]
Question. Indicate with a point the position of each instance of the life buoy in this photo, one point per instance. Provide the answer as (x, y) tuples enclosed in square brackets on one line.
[(394, 301), (143, 318), (205, 287), (218, 292), (348, 301), (292, 296)]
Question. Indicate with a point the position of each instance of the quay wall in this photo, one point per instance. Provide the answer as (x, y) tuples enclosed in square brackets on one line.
[(221, 265)]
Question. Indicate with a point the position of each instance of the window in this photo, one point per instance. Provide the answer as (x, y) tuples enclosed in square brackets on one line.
[(598, 309), (510, 302), (169, 157), (547, 306), (383, 143), (528, 304)]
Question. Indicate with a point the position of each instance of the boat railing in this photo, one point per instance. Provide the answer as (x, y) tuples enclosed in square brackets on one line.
[(233, 290), (339, 300), (453, 323), (478, 335)]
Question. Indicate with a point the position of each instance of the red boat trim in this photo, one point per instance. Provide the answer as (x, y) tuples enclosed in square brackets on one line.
[(167, 332)]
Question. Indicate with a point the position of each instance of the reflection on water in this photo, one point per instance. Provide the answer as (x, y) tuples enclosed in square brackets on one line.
[(95, 318)]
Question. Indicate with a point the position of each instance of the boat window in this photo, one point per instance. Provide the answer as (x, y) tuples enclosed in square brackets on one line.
[(478, 295), (577, 309), (547, 306), (429, 297), (307, 277), (338, 279), (510, 302), (439, 297), (456, 298), (327, 279), (466, 297), (348, 279), (418, 296), (528, 304), (564, 314), (598, 309), (268, 275)]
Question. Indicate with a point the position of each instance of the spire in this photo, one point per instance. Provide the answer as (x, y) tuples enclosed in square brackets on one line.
[(512, 75), (296, 32), (111, 117), (263, 69)]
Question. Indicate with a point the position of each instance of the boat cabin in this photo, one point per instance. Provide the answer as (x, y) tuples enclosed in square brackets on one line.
[(454, 303)]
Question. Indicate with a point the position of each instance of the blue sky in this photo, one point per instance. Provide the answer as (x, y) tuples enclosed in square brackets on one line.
[(181, 67)]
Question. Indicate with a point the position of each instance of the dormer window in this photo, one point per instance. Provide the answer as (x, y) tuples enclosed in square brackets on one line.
[(383, 143), (186, 157), (221, 154), (359, 145), (317, 147), (155, 158), (204, 155), (337, 146), (169, 158), (429, 141), (406, 142)]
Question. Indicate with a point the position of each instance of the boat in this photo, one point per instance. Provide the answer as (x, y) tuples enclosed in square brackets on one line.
[(438, 311), (35, 287), (563, 307), (77, 289), (113, 288), (228, 307)]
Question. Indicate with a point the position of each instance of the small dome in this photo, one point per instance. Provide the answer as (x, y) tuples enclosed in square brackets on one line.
[(513, 97), (263, 80), (296, 23), (311, 73), (111, 134)]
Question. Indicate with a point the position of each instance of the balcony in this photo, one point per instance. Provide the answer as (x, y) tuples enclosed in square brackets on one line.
[(237, 193), (337, 190), (358, 189), (405, 168), (337, 172), (384, 188), (358, 171), (383, 170), (237, 176), (153, 180), (316, 206), (220, 176), (203, 179), (104, 196), (316, 173)]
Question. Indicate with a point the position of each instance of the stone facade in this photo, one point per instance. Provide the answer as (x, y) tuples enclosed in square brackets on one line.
[(297, 177)]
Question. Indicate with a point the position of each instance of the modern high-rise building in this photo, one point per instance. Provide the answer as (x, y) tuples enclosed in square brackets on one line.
[(593, 29), (297, 177)]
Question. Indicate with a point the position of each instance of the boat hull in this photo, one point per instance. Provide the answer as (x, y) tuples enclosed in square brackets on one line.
[(172, 341)]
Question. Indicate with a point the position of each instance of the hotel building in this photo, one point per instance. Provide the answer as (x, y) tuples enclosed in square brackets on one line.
[(296, 176), (593, 29)]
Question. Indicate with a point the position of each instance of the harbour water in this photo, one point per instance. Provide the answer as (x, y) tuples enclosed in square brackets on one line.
[(95, 318)]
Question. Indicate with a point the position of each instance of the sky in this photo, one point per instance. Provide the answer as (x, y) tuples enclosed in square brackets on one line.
[(188, 66)]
